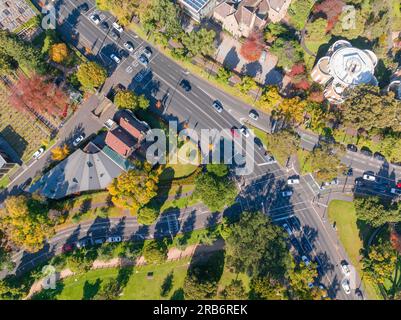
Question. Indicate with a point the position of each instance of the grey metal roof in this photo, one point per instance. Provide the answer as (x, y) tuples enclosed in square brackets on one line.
[(196, 4)]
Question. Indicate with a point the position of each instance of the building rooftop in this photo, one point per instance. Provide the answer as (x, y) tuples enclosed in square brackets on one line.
[(14, 13), (121, 141), (196, 5)]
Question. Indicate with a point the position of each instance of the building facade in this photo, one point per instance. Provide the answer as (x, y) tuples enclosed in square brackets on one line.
[(344, 67)]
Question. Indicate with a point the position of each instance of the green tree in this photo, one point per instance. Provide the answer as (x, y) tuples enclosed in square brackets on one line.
[(266, 288), (147, 215), (215, 192), (219, 170), (315, 31), (374, 212), (276, 30), (7, 64), (81, 261), (299, 11), (109, 290), (155, 252), (91, 75), (283, 144), (300, 276), (234, 291), (288, 52), (199, 42), (247, 84), (223, 75)]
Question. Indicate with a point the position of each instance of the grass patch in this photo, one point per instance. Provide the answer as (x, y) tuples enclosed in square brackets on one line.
[(396, 15), (353, 235), (304, 164), (4, 182)]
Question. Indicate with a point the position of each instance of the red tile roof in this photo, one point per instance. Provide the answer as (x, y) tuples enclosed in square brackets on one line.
[(120, 141)]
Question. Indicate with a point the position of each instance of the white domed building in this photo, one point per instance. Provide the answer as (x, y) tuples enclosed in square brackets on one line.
[(343, 67)]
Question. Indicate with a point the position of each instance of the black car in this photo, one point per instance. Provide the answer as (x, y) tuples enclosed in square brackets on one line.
[(104, 26), (295, 223), (185, 85), (305, 244), (348, 172), (115, 35), (352, 147), (366, 152), (379, 156), (83, 7), (258, 143)]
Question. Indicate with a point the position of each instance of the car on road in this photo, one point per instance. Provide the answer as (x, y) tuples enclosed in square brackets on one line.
[(115, 58), (104, 26), (352, 147), (294, 223), (269, 158), (129, 46), (305, 244), (117, 27), (345, 268), (286, 193), (396, 191), (293, 180), (359, 295), (185, 85), (95, 18), (141, 75), (305, 260), (369, 176), (38, 153), (366, 152), (99, 241), (147, 52), (379, 156), (217, 106), (288, 229), (115, 35), (114, 239), (83, 7), (67, 247), (245, 132), (143, 60), (346, 286), (398, 185), (84, 242), (78, 140), (234, 132), (253, 115), (258, 143), (26, 183)]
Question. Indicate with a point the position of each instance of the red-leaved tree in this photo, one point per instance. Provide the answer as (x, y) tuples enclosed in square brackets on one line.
[(36, 94), (253, 46), (298, 76), (395, 240), (332, 9)]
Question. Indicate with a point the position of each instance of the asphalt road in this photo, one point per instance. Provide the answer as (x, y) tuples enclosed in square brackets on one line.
[(259, 190)]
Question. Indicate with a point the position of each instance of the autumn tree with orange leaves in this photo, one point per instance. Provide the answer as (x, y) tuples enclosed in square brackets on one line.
[(253, 46), (37, 94), (332, 9), (395, 240)]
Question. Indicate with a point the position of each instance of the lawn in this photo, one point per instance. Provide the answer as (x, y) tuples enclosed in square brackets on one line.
[(396, 15), (304, 165), (352, 234)]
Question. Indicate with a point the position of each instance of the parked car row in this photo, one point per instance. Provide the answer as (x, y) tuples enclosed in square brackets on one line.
[(88, 241), (366, 152)]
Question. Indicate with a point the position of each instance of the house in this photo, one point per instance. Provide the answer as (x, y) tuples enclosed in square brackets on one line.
[(14, 14), (240, 18), (344, 67), (198, 9), (6, 164), (128, 135)]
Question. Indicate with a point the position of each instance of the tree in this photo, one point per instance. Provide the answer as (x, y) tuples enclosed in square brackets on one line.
[(215, 192), (253, 46), (276, 30), (291, 110), (332, 10), (59, 153), (270, 98), (300, 276), (374, 212), (283, 144), (36, 94), (59, 52), (49, 41), (6, 262), (390, 147), (219, 170), (7, 64), (24, 222), (155, 252), (288, 52), (147, 215), (315, 31), (122, 9), (135, 188), (247, 84), (266, 288), (81, 261), (109, 290), (256, 245), (299, 11), (199, 42), (91, 75), (127, 99), (234, 291), (223, 75)]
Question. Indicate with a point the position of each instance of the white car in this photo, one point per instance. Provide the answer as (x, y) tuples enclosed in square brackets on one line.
[(368, 177), (244, 131), (95, 18), (113, 239), (345, 268), (147, 53), (253, 115), (287, 193), (78, 140), (305, 260), (128, 45), (117, 27), (346, 287), (38, 153), (217, 106), (395, 191), (288, 229), (115, 58), (292, 181)]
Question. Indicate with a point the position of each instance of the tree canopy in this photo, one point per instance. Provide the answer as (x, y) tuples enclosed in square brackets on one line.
[(91, 75), (372, 210), (127, 99)]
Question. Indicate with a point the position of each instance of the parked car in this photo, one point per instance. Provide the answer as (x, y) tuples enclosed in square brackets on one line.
[(366, 152), (114, 239), (346, 286), (359, 295), (95, 18), (26, 183), (345, 268), (129, 46), (398, 185), (288, 229), (305, 244), (305, 260), (396, 191), (143, 60), (234, 132), (115, 35), (38, 153), (83, 7), (352, 147), (295, 223), (245, 132), (379, 156), (115, 58), (269, 159), (104, 26), (147, 52), (117, 27), (258, 143), (217, 106), (84, 242), (369, 176), (67, 247), (185, 85), (78, 140), (291, 181), (286, 193), (253, 115), (99, 241)]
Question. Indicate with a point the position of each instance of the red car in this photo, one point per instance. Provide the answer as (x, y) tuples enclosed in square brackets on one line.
[(234, 132), (398, 185), (67, 248)]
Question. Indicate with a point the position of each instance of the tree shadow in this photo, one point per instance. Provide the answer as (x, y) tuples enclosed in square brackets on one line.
[(91, 289), (231, 60), (167, 284)]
